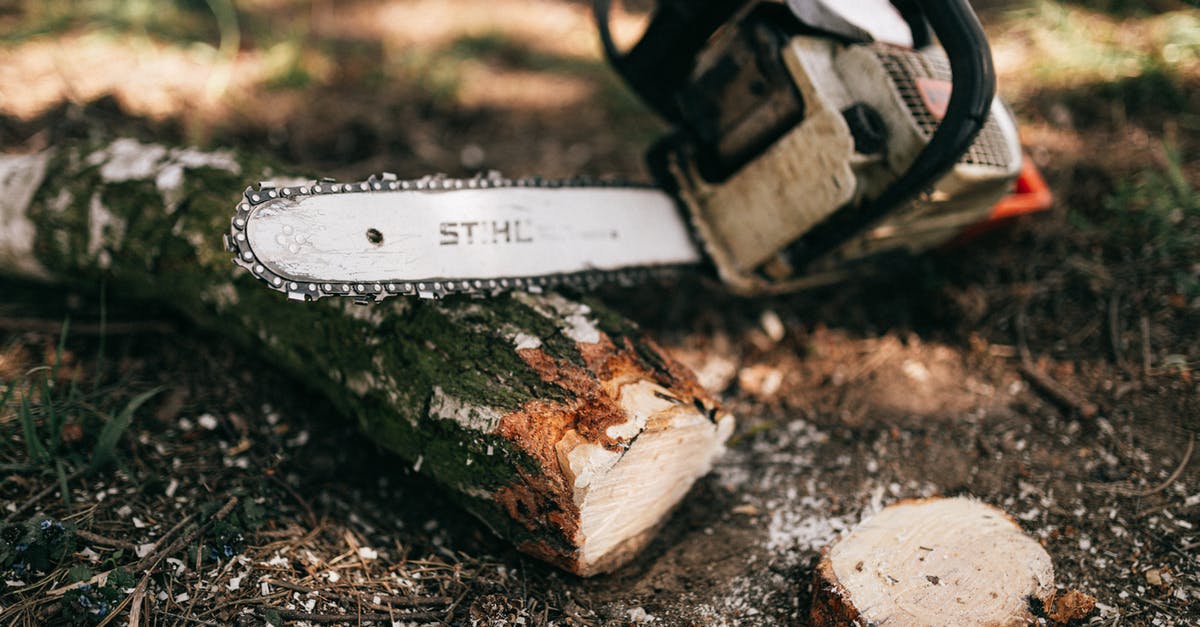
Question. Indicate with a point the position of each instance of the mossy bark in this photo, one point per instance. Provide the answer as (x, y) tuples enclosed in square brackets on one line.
[(479, 394)]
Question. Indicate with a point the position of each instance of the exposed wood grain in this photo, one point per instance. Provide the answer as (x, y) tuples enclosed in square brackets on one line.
[(933, 562)]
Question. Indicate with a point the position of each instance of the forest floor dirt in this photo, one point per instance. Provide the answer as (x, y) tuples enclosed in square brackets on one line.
[(848, 398)]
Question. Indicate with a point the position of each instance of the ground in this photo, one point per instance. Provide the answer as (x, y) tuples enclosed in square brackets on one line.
[(910, 384)]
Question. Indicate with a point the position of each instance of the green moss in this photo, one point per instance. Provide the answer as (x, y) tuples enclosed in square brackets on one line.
[(138, 207), (447, 452), (610, 322), (61, 230)]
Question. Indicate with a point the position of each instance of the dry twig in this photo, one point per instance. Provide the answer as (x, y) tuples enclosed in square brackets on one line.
[(1128, 491), (1114, 328), (1147, 358), (1057, 392), (135, 607), (100, 540)]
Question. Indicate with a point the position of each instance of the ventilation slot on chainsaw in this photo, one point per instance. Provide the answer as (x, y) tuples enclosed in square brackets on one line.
[(991, 147)]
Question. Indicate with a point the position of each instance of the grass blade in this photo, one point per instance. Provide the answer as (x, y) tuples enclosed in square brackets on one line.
[(33, 444), (52, 419), (103, 340), (62, 483), (106, 444), (58, 351), (11, 387)]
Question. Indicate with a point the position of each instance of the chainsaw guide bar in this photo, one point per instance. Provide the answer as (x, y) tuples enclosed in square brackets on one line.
[(437, 236)]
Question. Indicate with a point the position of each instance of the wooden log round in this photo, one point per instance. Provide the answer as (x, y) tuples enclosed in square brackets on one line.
[(550, 418), (939, 561)]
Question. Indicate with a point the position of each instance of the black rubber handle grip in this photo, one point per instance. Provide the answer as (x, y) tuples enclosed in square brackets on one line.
[(660, 63)]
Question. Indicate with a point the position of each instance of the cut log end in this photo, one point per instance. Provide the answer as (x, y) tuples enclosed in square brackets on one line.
[(624, 495), (933, 561)]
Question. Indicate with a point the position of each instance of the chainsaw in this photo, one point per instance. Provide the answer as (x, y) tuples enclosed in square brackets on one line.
[(803, 150)]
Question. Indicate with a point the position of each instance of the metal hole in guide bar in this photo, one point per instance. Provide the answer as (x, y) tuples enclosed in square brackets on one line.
[(374, 236)]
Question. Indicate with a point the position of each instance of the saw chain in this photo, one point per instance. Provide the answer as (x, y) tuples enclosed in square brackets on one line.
[(267, 195)]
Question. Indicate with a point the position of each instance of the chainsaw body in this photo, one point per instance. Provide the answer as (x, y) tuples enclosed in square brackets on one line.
[(804, 149)]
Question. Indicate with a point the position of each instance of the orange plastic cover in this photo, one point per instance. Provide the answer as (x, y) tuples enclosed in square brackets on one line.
[(1030, 194)]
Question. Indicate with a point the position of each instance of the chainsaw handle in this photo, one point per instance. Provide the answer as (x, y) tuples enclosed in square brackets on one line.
[(973, 88), (660, 63), (914, 16)]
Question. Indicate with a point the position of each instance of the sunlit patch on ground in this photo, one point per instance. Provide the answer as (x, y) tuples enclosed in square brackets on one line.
[(487, 87), (543, 25), (150, 78)]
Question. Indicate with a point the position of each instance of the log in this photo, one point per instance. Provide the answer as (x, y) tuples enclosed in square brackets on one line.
[(939, 561), (551, 418)]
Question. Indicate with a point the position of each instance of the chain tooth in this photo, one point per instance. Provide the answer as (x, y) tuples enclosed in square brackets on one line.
[(427, 290)]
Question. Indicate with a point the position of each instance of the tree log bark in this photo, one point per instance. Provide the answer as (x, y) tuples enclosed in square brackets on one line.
[(939, 561), (551, 419)]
